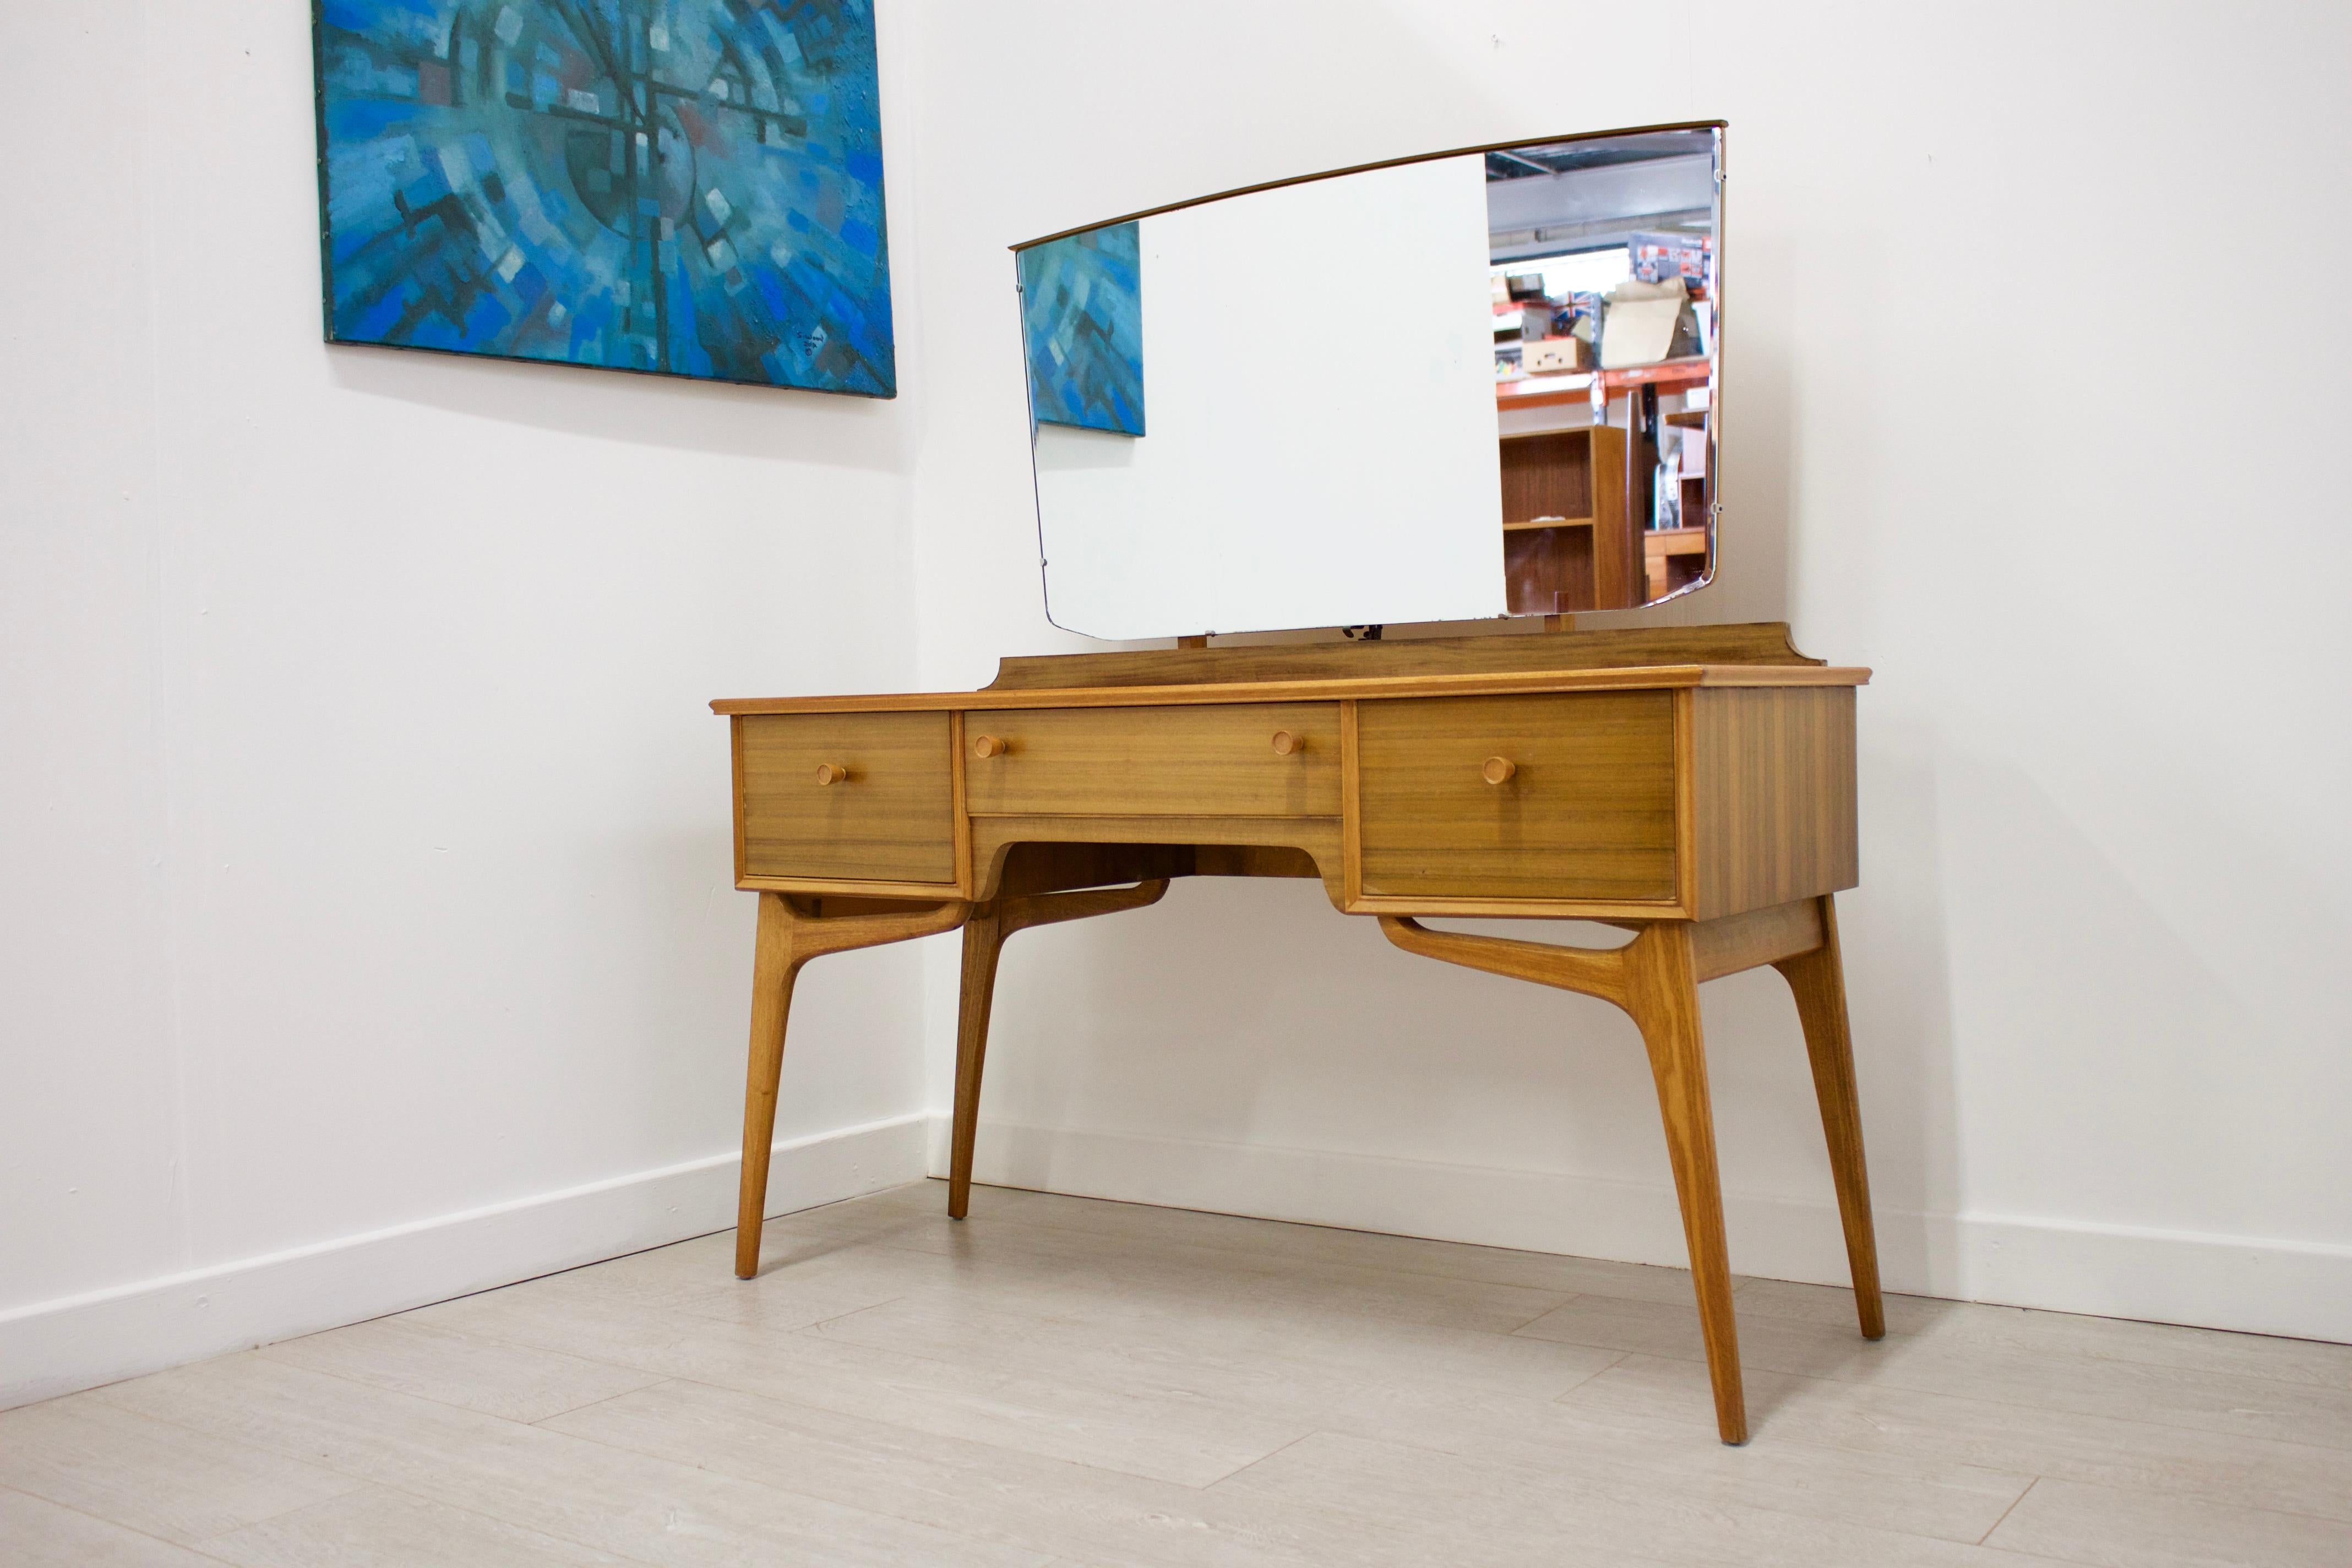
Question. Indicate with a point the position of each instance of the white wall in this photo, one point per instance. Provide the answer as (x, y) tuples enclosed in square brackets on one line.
[(367, 932), (2035, 377)]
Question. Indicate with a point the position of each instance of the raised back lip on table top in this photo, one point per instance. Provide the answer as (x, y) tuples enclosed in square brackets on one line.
[(1664, 676)]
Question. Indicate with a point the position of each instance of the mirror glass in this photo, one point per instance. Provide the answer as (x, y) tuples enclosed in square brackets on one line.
[(1477, 384)]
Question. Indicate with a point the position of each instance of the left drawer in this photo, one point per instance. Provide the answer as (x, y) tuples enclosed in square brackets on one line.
[(862, 797)]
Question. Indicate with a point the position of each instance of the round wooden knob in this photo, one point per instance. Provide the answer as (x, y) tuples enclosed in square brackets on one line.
[(1498, 769), (1285, 743), (828, 772), (987, 746)]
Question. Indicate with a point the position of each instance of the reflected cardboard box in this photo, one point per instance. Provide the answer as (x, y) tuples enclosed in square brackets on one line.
[(1640, 322), (1550, 355)]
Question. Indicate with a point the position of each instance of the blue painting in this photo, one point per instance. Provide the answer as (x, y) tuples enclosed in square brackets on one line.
[(1082, 328), (681, 187)]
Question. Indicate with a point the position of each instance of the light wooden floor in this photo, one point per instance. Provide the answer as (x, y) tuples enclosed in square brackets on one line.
[(1061, 1381)]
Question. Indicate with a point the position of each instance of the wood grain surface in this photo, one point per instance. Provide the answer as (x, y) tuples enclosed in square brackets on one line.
[(1160, 761), (1773, 796), (892, 819), (1587, 811), (1759, 642)]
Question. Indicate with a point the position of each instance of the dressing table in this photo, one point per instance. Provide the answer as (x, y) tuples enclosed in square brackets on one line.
[(1694, 786), (1521, 418)]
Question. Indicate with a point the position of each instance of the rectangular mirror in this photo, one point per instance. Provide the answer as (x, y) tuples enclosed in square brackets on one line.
[(1477, 383)]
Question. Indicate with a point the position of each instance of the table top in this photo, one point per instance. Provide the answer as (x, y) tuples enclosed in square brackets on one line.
[(1320, 688)]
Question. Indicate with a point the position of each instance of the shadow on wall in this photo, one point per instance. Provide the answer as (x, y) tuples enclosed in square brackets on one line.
[(1252, 1018), (1899, 995), (770, 424)]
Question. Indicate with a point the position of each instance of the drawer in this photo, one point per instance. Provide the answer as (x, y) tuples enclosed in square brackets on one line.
[(1587, 811), (890, 819), (1214, 760)]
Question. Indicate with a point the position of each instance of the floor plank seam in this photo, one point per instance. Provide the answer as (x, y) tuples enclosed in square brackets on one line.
[(607, 1399), (1335, 1310), (359, 1381), (838, 1317), (1902, 1336), (1080, 1466), (116, 1523), (504, 1341), (1741, 1283), (1416, 1273), (285, 1512), (1548, 1311), (1699, 1359), (1069, 1341), (2010, 1510), (656, 1458), (908, 1513), (431, 1500), (1616, 1361), (1262, 1459)]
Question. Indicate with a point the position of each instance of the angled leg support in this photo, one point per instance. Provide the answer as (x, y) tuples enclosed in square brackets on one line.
[(984, 936), (792, 932), (1654, 979)]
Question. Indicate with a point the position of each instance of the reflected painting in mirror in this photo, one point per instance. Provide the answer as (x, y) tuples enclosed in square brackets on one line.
[(1082, 326), (1474, 384)]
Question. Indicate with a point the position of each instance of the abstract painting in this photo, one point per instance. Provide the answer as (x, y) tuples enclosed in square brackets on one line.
[(1082, 328), (682, 188)]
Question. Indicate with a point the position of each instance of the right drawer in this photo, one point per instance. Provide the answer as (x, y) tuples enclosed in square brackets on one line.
[(1586, 812)]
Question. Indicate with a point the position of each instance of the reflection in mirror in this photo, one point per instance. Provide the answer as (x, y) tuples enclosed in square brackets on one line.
[(1082, 321), (1473, 385), (1603, 257)]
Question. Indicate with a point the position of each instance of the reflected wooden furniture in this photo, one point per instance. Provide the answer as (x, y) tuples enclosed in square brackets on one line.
[(1693, 785), (1672, 557), (1569, 540), (1577, 506), (1567, 387)]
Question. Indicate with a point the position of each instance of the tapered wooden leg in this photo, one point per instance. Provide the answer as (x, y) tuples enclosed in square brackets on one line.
[(1817, 979), (789, 936), (773, 969), (1654, 978), (1662, 995), (983, 938), (985, 932)]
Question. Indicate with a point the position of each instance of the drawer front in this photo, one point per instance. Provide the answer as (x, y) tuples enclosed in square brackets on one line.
[(1215, 760), (1587, 811), (890, 819)]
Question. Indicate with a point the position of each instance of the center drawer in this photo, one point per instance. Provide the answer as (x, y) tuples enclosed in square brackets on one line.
[(1225, 760)]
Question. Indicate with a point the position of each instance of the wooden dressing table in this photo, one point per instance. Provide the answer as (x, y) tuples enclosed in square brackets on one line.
[(1694, 785)]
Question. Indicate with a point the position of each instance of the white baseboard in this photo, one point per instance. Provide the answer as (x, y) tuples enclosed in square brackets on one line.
[(2253, 1285), (51, 1348)]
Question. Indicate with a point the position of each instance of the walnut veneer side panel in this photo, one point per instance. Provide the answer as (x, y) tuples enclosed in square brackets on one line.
[(1158, 762), (1774, 797), (1586, 813), (1761, 642), (891, 820)]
